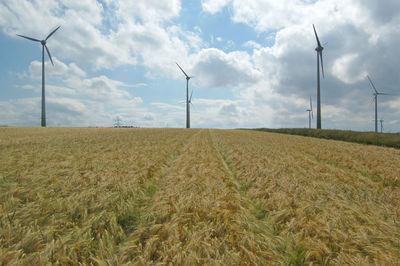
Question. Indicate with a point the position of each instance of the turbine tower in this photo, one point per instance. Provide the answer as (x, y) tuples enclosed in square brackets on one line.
[(319, 57), (188, 101), (381, 125), (43, 42), (310, 114), (376, 93)]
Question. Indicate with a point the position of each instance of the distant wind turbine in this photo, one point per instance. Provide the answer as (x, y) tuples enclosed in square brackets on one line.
[(310, 114), (319, 57), (43, 42), (381, 125), (188, 101), (376, 93)]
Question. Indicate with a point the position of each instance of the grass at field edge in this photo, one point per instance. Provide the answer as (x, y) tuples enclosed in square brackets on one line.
[(368, 138)]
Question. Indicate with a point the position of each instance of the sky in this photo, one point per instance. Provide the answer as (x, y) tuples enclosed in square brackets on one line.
[(253, 62)]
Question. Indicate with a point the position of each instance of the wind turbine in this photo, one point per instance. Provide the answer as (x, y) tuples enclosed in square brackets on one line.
[(188, 101), (319, 57), (310, 114), (381, 125), (43, 42), (376, 93)]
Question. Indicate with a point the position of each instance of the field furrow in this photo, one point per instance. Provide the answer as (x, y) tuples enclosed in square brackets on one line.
[(199, 217)]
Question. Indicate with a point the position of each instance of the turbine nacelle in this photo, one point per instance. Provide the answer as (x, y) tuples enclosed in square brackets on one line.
[(376, 93), (184, 73), (43, 42), (319, 49)]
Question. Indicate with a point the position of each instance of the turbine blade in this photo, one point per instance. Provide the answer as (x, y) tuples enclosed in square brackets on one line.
[(381, 93), (182, 70), (29, 38), (48, 52), (373, 99), (51, 33), (316, 36), (373, 86), (322, 64), (312, 112), (191, 94)]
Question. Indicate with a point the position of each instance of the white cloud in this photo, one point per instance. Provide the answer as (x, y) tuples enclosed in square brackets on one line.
[(270, 14), (137, 32), (149, 117), (252, 44), (214, 68), (54, 91), (20, 112), (347, 68), (229, 110), (214, 6), (59, 68), (148, 10), (166, 106), (214, 102)]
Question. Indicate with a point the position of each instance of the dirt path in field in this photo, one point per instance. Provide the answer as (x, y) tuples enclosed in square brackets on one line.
[(199, 216)]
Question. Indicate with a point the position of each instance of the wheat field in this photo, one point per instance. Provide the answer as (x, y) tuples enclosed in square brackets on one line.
[(107, 196)]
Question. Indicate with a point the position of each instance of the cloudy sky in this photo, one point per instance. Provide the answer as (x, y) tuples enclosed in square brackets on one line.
[(253, 62)]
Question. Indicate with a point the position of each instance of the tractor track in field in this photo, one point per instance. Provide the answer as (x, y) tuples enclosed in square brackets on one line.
[(198, 215)]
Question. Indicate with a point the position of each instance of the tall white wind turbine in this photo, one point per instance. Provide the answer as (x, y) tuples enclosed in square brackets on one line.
[(43, 42), (376, 93), (188, 101), (310, 114), (319, 57)]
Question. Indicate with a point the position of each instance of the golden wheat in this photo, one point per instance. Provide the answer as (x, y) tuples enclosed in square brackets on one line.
[(339, 200), (172, 196)]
